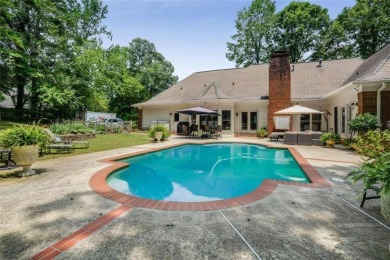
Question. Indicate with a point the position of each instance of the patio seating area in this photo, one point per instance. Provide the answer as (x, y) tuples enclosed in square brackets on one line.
[(204, 131), (68, 219), (303, 138)]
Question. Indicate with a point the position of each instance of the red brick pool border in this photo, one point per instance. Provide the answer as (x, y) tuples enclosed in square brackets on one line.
[(99, 185)]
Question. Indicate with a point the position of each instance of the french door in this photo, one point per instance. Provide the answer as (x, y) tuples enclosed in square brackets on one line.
[(248, 121)]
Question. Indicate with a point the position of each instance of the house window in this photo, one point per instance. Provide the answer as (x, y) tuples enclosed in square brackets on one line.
[(210, 120), (315, 122), (305, 122), (177, 118), (226, 119)]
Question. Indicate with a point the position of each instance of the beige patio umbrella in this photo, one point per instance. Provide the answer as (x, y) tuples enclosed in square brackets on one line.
[(298, 110)]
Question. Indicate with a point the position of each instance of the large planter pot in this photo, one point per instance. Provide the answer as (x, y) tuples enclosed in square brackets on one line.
[(330, 143), (158, 136), (385, 205), (25, 156)]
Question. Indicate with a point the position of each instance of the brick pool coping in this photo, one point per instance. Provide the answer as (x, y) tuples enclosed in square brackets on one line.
[(99, 185)]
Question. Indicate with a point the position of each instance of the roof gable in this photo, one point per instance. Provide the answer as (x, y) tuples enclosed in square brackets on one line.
[(214, 91), (375, 68)]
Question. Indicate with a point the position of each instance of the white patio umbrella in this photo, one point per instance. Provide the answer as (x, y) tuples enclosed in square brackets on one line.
[(297, 110)]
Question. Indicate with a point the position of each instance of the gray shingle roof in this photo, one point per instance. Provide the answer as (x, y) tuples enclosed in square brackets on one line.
[(307, 82), (375, 68)]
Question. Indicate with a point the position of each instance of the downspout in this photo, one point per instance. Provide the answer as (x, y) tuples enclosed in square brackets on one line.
[(378, 100)]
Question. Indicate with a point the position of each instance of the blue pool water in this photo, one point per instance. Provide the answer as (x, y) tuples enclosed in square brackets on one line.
[(194, 173)]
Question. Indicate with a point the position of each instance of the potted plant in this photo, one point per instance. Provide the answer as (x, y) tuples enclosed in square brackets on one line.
[(157, 130), (24, 141), (376, 171), (330, 138), (261, 133)]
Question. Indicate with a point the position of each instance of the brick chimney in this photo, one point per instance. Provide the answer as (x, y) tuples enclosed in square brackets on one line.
[(279, 86)]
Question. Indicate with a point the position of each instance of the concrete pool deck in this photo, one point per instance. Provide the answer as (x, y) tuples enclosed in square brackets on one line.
[(292, 222)]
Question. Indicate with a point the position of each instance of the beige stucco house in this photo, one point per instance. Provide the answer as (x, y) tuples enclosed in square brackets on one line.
[(247, 98)]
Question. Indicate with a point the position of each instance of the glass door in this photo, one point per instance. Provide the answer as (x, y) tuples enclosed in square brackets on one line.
[(248, 121), (244, 121)]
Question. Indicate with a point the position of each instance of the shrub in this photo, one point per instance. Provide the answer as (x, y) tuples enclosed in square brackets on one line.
[(364, 123), (261, 132), (373, 143), (374, 171), (330, 136), (20, 135), (70, 128), (159, 128)]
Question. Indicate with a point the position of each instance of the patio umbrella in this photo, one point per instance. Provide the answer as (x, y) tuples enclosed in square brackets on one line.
[(297, 109), (198, 111)]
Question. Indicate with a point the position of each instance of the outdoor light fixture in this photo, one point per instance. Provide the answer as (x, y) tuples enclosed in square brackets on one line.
[(236, 113), (354, 104), (170, 114)]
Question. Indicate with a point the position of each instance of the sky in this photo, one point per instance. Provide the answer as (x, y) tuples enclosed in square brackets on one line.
[(191, 34)]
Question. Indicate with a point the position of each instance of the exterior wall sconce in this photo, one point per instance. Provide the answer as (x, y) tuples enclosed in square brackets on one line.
[(170, 113), (354, 104), (236, 113)]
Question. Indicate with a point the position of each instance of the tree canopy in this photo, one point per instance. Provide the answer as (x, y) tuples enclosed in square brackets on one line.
[(52, 59), (255, 31), (308, 33)]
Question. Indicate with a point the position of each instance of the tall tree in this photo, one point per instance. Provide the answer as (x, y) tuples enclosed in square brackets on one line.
[(154, 72), (253, 40), (300, 26), (335, 43), (367, 26), (42, 38)]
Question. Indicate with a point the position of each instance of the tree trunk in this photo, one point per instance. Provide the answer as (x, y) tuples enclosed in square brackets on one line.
[(19, 98)]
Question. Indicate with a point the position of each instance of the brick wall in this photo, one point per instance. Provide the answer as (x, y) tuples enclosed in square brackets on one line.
[(279, 86), (385, 109), (139, 122), (367, 104)]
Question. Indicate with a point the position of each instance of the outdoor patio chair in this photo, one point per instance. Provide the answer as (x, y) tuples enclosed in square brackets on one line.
[(304, 138), (194, 130), (218, 131), (365, 197), (290, 138), (57, 141), (185, 130), (6, 159), (206, 131)]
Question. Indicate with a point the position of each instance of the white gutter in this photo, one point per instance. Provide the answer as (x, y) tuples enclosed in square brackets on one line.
[(378, 100)]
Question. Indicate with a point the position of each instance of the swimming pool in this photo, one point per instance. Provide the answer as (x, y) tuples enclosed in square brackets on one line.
[(196, 173)]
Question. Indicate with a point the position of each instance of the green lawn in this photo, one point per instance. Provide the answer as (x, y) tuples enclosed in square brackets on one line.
[(104, 142)]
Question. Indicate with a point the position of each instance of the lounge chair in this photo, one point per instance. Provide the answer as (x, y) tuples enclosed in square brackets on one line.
[(56, 141), (276, 136), (6, 159)]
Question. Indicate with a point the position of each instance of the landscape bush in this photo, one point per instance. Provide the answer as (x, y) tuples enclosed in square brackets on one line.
[(70, 128), (372, 144), (159, 128)]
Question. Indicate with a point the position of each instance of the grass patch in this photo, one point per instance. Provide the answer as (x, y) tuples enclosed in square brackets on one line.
[(106, 142), (6, 124)]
